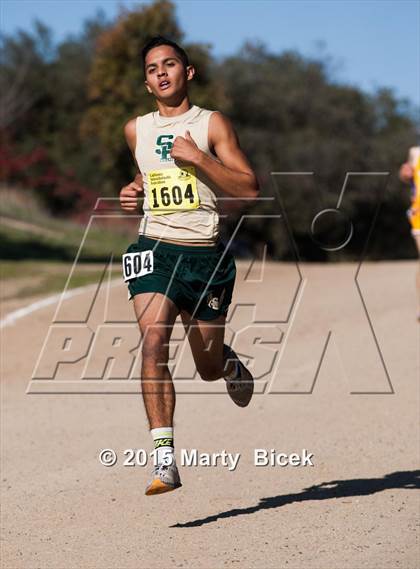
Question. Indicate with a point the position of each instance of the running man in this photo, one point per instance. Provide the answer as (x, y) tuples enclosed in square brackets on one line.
[(185, 155), (410, 174)]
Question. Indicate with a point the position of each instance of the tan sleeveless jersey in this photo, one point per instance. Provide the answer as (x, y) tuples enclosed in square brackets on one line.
[(179, 201)]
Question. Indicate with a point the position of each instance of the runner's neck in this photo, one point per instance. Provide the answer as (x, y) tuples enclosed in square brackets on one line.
[(179, 111)]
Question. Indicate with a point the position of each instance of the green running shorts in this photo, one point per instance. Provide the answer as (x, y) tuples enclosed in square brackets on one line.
[(197, 279)]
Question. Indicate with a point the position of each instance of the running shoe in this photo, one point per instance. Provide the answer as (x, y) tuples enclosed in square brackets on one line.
[(241, 386), (165, 479)]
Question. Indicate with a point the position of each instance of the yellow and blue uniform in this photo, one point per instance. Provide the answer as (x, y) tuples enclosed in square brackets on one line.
[(414, 211)]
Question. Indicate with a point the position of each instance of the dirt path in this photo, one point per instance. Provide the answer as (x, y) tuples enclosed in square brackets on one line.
[(357, 507)]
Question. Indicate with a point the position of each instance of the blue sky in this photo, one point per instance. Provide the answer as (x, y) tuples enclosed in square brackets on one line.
[(373, 42)]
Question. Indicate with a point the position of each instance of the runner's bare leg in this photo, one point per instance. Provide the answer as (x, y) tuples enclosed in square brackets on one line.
[(206, 341), (156, 315)]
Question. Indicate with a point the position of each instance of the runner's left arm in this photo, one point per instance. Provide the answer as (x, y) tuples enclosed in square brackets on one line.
[(233, 174)]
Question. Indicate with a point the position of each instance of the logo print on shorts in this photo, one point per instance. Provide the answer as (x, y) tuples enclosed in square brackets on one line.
[(164, 142), (215, 302)]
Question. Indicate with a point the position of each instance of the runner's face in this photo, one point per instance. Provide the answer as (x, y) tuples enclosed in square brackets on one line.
[(166, 75)]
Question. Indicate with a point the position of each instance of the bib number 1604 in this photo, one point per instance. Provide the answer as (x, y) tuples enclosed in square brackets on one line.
[(172, 190), (174, 195)]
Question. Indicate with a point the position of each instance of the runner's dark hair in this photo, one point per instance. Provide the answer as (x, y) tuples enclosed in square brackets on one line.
[(156, 41)]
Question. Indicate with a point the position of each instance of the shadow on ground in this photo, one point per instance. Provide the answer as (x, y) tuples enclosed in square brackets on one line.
[(325, 491)]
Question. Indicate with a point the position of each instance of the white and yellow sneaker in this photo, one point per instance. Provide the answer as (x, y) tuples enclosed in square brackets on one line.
[(165, 479)]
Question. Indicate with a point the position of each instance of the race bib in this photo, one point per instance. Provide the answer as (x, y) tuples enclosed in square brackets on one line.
[(137, 264), (172, 189)]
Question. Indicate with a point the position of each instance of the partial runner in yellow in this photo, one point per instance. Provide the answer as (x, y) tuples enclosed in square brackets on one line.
[(410, 174), (414, 211)]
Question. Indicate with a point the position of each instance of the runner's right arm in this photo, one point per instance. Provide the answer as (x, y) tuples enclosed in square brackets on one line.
[(129, 195)]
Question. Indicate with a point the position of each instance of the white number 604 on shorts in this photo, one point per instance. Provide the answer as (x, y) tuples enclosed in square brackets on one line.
[(137, 264)]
